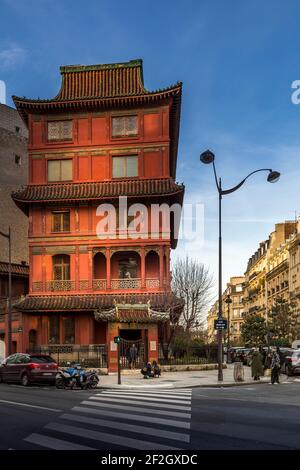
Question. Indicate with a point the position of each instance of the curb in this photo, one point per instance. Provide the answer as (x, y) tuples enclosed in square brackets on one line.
[(172, 387)]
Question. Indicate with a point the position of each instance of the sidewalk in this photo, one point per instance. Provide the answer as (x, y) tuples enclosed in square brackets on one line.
[(184, 379)]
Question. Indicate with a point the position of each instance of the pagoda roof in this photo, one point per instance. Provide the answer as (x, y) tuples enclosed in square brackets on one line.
[(105, 304), (16, 269), (98, 82), (106, 86), (63, 192)]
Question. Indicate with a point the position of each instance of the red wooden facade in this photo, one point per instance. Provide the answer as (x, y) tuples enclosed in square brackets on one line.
[(103, 136)]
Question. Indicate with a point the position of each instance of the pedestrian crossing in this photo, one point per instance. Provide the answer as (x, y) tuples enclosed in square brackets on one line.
[(121, 419)]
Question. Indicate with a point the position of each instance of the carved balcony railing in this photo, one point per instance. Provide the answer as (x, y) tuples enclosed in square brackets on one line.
[(60, 286), (126, 283), (152, 283), (37, 286), (99, 284), (83, 284)]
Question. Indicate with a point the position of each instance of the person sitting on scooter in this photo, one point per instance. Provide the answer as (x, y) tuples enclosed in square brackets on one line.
[(156, 369)]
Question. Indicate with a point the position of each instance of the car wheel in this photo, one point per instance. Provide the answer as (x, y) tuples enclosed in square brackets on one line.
[(25, 380)]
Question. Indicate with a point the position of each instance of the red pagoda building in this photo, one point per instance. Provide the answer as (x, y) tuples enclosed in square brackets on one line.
[(103, 136)]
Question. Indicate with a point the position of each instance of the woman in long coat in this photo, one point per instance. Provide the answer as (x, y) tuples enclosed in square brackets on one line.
[(257, 369)]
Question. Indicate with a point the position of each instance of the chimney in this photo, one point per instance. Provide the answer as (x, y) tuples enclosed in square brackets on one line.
[(2, 92)]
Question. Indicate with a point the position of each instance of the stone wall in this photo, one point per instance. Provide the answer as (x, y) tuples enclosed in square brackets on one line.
[(13, 174)]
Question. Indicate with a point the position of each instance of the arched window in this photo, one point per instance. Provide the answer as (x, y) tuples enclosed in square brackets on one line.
[(61, 267)]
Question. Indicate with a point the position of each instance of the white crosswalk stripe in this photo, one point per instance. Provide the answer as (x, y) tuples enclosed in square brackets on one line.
[(140, 399), (126, 419)]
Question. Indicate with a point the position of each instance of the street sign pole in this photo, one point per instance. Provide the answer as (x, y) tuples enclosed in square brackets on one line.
[(117, 340), (119, 365)]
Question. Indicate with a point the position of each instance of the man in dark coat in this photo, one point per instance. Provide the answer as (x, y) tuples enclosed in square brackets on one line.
[(133, 352), (275, 368), (257, 369)]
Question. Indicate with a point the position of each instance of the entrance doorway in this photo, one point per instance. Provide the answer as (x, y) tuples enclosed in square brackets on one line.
[(32, 340), (131, 335), (139, 338)]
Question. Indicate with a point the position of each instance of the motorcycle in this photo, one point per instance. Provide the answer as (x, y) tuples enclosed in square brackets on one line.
[(75, 376)]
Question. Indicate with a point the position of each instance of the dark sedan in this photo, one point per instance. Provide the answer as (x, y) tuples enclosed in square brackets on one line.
[(291, 362), (28, 368)]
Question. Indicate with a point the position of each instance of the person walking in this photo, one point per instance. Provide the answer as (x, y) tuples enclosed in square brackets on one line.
[(133, 352), (257, 369), (263, 354), (275, 368)]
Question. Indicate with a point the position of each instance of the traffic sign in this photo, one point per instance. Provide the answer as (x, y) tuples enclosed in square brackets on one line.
[(220, 324), (117, 339)]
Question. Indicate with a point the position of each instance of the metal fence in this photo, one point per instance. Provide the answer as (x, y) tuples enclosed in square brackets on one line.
[(94, 355), (206, 354)]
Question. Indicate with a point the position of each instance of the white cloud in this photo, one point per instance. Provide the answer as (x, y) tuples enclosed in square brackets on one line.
[(12, 56)]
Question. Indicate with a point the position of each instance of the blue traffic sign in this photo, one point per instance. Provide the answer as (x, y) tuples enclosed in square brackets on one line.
[(220, 324)]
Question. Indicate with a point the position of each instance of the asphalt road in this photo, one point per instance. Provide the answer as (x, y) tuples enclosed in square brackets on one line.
[(244, 417)]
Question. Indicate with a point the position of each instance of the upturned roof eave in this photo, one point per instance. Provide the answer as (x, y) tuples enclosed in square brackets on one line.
[(159, 94)]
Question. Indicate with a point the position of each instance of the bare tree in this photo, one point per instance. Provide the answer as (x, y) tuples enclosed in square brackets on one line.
[(192, 282)]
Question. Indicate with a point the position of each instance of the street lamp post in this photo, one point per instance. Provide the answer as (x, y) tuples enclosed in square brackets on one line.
[(228, 301), (208, 157), (9, 322)]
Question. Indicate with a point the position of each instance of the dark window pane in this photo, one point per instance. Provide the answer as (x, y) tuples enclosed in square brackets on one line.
[(61, 221), (54, 329), (128, 268), (61, 267), (69, 330)]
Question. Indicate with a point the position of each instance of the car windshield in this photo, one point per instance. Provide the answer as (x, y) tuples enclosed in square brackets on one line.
[(41, 359), (296, 354)]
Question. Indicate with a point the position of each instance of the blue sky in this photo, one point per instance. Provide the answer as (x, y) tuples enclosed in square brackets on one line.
[(237, 61)]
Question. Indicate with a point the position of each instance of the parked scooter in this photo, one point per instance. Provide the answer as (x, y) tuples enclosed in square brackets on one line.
[(76, 377)]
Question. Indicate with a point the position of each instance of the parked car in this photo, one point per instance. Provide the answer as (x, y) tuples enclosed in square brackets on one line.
[(241, 355), (233, 353), (28, 368), (291, 362)]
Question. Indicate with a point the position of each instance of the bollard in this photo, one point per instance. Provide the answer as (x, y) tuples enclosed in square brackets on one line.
[(238, 372)]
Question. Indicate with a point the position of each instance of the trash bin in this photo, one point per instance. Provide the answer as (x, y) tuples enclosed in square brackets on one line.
[(238, 372)]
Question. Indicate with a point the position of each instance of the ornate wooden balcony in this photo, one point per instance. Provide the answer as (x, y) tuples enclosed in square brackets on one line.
[(152, 283), (58, 286), (99, 284), (133, 283)]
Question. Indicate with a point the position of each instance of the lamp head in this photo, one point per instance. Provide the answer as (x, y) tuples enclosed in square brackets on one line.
[(207, 157), (273, 176)]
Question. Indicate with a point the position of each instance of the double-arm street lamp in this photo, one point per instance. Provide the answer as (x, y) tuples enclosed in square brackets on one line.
[(9, 322), (208, 157)]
